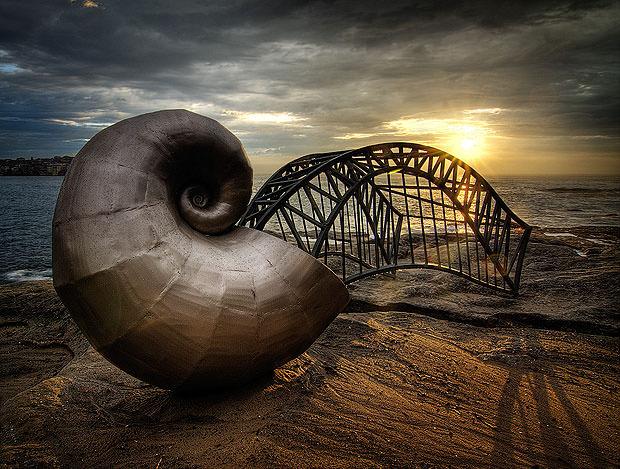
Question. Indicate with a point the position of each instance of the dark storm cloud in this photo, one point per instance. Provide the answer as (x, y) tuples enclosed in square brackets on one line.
[(291, 76), (130, 39)]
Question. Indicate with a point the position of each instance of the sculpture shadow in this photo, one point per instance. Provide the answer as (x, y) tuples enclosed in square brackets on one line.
[(196, 406), (545, 384)]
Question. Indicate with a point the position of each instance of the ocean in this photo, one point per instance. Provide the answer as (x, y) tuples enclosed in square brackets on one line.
[(27, 207)]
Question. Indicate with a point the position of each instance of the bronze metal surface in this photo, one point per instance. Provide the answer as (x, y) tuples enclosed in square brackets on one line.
[(148, 262)]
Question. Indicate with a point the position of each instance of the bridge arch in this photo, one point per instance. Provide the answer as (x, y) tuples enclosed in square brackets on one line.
[(393, 206)]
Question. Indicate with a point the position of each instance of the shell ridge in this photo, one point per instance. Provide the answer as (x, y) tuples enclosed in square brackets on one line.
[(118, 263), (94, 216)]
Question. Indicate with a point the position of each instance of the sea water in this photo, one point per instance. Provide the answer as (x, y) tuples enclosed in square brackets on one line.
[(26, 211), (27, 208)]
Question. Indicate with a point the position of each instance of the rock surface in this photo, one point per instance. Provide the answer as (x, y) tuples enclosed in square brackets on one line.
[(423, 370)]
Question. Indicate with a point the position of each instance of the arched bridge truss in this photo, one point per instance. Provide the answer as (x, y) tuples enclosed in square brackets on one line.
[(393, 206)]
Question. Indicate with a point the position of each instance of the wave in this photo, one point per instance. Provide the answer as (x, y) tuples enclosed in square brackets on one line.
[(580, 190), (27, 275)]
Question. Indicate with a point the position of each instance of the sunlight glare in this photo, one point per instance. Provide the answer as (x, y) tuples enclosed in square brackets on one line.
[(468, 144), (266, 117)]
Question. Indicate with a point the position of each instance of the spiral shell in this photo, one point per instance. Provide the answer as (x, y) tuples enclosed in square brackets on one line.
[(148, 261)]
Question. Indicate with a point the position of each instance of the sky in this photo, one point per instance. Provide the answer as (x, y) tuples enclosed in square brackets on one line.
[(511, 87)]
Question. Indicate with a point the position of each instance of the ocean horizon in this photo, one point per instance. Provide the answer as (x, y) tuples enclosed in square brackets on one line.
[(549, 202)]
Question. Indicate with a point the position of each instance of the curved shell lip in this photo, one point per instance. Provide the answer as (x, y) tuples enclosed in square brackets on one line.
[(328, 292), (271, 281)]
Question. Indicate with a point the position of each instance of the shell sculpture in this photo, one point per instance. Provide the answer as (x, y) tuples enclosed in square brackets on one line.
[(148, 261)]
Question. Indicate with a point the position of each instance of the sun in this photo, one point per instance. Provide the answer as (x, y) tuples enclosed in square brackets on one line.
[(465, 139), (468, 144), (468, 147)]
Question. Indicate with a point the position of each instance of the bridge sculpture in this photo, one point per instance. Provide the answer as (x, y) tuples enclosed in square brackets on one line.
[(393, 206)]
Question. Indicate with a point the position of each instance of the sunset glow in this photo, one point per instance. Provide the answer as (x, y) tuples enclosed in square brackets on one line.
[(267, 117), (485, 83), (465, 138)]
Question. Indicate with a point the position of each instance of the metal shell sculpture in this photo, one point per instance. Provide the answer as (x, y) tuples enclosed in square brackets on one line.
[(148, 261)]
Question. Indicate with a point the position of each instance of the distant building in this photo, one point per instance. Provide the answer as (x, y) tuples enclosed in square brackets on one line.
[(56, 166)]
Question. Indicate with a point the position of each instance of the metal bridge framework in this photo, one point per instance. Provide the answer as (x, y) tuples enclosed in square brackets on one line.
[(393, 206)]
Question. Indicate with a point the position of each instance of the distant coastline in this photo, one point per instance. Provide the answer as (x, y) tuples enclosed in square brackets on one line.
[(56, 166)]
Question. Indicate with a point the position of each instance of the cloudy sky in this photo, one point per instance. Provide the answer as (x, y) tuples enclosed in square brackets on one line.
[(512, 87)]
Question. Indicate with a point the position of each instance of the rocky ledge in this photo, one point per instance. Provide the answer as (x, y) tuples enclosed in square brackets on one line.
[(423, 370)]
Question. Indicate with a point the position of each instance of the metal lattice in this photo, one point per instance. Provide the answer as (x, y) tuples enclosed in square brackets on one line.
[(393, 206)]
